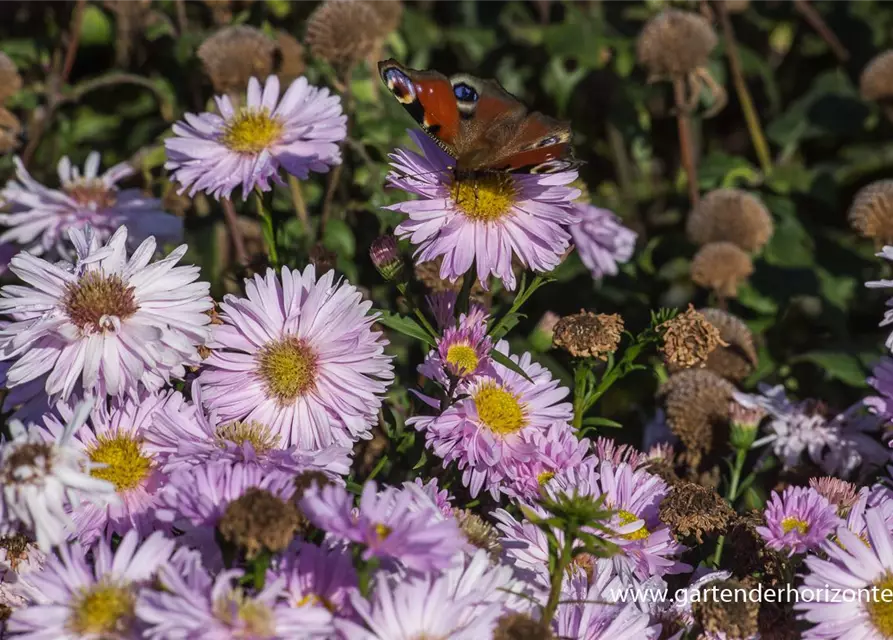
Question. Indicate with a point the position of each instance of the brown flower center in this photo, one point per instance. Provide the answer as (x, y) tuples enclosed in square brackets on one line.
[(96, 298), (92, 193)]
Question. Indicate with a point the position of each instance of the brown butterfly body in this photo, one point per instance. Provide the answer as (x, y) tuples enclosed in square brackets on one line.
[(480, 124)]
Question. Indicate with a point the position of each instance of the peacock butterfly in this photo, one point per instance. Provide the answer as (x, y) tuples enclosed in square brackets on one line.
[(480, 124)]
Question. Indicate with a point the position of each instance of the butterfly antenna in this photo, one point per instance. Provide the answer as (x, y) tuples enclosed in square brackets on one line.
[(450, 170)]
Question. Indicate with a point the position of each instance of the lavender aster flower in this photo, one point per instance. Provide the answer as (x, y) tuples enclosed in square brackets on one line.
[(463, 351), (42, 480), (440, 498), (601, 240), (798, 520), (887, 254), (882, 380), (491, 431), (318, 577), (113, 439), (108, 324), (298, 356), (389, 524), (853, 565), (184, 435), (72, 598), (557, 449), (41, 217), (226, 610), (299, 133), (482, 220)]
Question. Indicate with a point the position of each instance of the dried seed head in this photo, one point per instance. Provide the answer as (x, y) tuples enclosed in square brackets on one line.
[(871, 213), (838, 492), (730, 215), (234, 54), (260, 520), (691, 510), (10, 80), (688, 339), (748, 553), (520, 626), (10, 128), (428, 273), (729, 614), (738, 358), (342, 32), (289, 58), (696, 402), (478, 532), (722, 267), (674, 43), (307, 479), (389, 14), (876, 81), (587, 335)]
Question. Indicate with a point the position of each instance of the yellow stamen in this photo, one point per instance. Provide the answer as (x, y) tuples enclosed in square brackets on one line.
[(288, 368), (485, 199), (254, 619), (382, 531), (126, 466), (251, 131), (499, 409), (544, 477), (104, 610), (790, 524), (626, 517), (880, 612), (463, 358), (260, 436)]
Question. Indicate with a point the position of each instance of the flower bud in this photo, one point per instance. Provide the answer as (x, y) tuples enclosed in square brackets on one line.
[(386, 257)]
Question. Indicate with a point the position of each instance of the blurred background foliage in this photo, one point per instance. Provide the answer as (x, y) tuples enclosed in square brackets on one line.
[(114, 76)]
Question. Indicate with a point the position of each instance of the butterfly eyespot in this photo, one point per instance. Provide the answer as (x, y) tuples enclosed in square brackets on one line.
[(400, 85), (464, 93), (548, 142)]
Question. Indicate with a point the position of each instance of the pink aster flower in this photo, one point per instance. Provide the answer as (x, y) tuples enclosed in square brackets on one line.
[(43, 480), (108, 324), (73, 598), (887, 254), (41, 217), (601, 240), (854, 567), (443, 308), (299, 134), (184, 435), (317, 577), (194, 500), (389, 523), (490, 432), (608, 450), (114, 441), (481, 220), (462, 352), (557, 448), (798, 520), (877, 498), (226, 610), (299, 356), (440, 498)]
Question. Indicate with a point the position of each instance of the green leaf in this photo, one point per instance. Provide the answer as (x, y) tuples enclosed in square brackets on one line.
[(508, 363), (339, 238), (601, 422), (406, 326), (508, 323), (837, 364)]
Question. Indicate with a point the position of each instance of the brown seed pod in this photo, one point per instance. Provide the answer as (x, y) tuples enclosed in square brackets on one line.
[(10, 80), (260, 520), (389, 14), (234, 54), (696, 402), (674, 43), (289, 58), (871, 213), (722, 267), (520, 626), (693, 511), (876, 81), (587, 335), (730, 215), (738, 358), (10, 128), (342, 32), (688, 339), (729, 614)]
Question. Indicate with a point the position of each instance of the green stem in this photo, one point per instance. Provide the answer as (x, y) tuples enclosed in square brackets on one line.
[(416, 311), (464, 297), (557, 577), (731, 496), (580, 392), (518, 302), (267, 228), (259, 567)]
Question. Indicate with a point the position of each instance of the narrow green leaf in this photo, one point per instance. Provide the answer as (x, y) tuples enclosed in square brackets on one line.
[(601, 422), (406, 326), (508, 363)]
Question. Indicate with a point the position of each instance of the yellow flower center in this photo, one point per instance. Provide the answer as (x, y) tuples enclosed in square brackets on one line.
[(543, 477), (485, 199), (382, 531), (126, 466), (254, 619), (627, 517), (499, 410), (96, 297), (791, 524), (103, 609), (463, 358), (880, 612), (312, 599), (288, 368), (92, 193), (251, 131), (259, 435)]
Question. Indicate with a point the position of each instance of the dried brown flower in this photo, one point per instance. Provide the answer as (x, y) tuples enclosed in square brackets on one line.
[(307, 479), (871, 213), (10, 128), (520, 626), (727, 615), (691, 510), (389, 15), (289, 58), (696, 401), (342, 32), (260, 520), (746, 551), (838, 492), (876, 81), (778, 622), (675, 43), (428, 273), (587, 335), (234, 54), (730, 215), (688, 339), (738, 357), (722, 267), (478, 532), (10, 80)]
